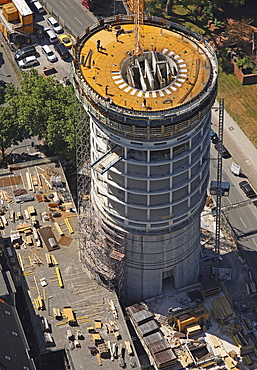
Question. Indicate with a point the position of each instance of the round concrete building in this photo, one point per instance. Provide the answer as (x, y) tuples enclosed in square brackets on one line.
[(149, 104)]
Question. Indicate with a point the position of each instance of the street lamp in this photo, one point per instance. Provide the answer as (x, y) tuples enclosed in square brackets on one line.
[(48, 304)]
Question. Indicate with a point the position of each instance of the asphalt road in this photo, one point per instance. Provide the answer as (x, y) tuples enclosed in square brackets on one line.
[(243, 219), (74, 16), (7, 73)]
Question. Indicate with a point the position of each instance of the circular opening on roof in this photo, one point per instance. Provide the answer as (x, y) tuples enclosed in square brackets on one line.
[(150, 71)]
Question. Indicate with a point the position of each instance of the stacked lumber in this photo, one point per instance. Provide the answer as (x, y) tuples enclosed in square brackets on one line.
[(251, 288), (103, 350), (230, 363), (222, 308), (215, 341), (39, 303), (51, 260)]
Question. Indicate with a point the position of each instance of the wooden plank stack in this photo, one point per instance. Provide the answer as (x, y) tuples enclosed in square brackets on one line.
[(222, 309)]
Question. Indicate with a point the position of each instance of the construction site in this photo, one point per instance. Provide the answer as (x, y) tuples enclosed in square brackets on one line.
[(143, 272), (68, 319)]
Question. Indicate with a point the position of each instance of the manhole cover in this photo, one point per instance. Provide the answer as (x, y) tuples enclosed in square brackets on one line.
[(231, 128)]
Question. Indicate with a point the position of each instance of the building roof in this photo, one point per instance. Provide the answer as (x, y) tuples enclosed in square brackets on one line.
[(105, 71), (13, 344), (22, 7)]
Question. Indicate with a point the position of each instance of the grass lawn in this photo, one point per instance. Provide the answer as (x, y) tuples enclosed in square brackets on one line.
[(240, 102), (181, 10)]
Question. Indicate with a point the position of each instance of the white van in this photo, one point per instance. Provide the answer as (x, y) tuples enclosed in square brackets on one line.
[(54, 24), (51, 35), (38, 7), (49, 53)]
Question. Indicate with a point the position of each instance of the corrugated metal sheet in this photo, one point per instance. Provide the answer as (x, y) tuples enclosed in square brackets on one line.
[(143, 316), (135, 308), (164, 358), (151, 338), (148, 328), (158, 346)]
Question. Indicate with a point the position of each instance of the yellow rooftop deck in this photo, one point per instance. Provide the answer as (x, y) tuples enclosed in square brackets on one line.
[(193, 67)]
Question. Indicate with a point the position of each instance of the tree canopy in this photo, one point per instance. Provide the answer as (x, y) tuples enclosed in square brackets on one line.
[(43, 107)]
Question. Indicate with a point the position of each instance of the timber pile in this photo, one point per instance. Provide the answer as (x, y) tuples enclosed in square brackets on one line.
[(103, 350), (222, 309), (35, 260), (5, 196)]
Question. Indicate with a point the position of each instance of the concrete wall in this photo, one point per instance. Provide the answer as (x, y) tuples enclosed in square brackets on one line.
[(244, 79), (150, 259)]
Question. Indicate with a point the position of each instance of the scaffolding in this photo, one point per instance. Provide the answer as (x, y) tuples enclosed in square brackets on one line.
[(101, 247)]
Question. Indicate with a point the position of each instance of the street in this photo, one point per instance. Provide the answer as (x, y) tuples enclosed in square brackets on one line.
[(7, 73), (243, 219), (71, 14)]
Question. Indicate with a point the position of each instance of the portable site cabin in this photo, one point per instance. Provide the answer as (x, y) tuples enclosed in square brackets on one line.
[(25, 16)]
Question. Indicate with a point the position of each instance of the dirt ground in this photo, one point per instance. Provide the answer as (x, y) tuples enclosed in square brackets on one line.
[(243, 302)]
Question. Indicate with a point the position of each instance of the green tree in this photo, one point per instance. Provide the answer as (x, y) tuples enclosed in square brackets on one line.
[(10, 130), (45, 108)]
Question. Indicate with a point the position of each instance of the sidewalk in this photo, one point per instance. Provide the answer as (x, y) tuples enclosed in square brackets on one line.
[(240, 147)]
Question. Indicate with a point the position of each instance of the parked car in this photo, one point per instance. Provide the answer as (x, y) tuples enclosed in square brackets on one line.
[(222, 150), (38, 7), (54, 24), (49, 53), (28, 62), (51, 35), (65, 41), (247, 189), (88, 4), (25, 52), (62, 50)]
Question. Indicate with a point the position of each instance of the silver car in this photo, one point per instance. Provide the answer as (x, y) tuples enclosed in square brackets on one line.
[(49, 53), (54, 24), (51, 35), (28, 62)]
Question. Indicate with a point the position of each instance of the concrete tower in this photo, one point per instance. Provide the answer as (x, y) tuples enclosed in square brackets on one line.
[(150, 116)]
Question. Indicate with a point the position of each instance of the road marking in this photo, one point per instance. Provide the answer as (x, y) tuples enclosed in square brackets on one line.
[(229, 200), (243, 222), (254, 242), (63, 5), (78, 20)]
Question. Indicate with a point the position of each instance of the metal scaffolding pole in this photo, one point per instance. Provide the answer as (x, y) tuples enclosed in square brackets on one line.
[(97, 241), (219, 187)]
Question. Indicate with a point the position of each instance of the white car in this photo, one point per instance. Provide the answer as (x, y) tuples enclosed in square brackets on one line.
[(54, 24), (50, 35), (28, 62), (49, 53)]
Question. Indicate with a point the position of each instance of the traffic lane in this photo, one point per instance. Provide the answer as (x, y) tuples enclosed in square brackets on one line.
[(240, 146), (75, 16), (236, 195), (243, 218), (7, 72)]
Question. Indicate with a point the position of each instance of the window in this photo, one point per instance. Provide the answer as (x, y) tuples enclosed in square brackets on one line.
[(179, 149)]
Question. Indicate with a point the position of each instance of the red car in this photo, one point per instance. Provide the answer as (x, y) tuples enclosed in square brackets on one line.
[(88, 4)]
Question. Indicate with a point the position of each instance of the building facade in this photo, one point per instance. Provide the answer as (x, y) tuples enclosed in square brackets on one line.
[(150, 114)]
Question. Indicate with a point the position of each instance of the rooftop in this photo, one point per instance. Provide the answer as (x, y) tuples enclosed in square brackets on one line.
[(172, 69)]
